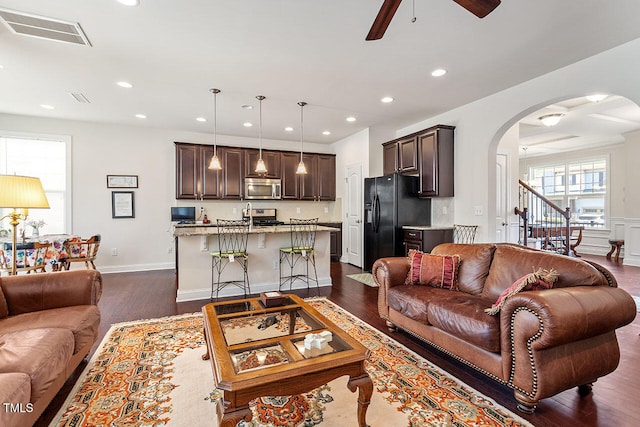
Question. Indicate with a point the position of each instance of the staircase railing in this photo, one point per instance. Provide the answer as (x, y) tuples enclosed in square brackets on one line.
[(543, 220)]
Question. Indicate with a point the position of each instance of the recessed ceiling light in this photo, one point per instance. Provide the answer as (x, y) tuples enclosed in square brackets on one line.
[(439, 72), (47, 106), (126, 85), (351, 119), (387, 99), (201, 119), (247, 107), (141, 116), (289, 129), (596, 97), (247, 124), (129, 2), (326, 132)]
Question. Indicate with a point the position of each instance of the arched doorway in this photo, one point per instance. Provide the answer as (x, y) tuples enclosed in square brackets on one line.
[(587, 128)]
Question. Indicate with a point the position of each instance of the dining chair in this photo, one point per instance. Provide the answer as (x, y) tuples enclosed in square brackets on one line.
[(80, 250), (29, 257), (232, 250), (302, 249)]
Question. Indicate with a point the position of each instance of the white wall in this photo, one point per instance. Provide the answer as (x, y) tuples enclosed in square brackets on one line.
[(481, 125), (143, 242)]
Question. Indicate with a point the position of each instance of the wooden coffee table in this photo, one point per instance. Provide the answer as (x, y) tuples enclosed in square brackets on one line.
[(260, 351)]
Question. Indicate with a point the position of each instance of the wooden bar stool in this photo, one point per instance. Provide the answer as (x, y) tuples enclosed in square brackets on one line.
[(616, 245)]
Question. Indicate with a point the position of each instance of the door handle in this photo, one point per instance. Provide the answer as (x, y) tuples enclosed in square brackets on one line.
[(358, 221)]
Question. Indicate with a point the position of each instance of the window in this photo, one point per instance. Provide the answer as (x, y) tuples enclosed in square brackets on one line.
[(585, 191), (48, 159)]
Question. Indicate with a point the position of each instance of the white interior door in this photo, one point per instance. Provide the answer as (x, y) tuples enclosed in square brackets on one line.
[(502, 194), (354, 205)]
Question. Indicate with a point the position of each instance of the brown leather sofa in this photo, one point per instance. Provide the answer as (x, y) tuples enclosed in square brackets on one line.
[(48, 324), (541, 342)]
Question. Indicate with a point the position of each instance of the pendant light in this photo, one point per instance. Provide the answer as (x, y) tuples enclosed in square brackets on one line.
[(260, 166), (302, 169), (215, 161)]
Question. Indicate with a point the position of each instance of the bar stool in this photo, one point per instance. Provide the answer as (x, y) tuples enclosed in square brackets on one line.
[(303, 238), (464, 233), (232, 249)]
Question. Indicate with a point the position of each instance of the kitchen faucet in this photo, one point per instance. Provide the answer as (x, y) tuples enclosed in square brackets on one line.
[(250, 214)]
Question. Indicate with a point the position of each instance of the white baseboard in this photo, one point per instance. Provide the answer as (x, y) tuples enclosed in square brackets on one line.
[(205, 293)]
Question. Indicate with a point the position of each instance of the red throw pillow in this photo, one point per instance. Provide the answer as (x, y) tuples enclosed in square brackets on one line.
[(539, 279), (440, 271)]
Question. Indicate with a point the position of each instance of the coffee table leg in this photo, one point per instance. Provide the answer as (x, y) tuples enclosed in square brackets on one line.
[(206, 345), (365, 387), (232, 418)]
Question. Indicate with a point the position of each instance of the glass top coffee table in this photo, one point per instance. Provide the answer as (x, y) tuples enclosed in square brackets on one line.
[(278, 351)]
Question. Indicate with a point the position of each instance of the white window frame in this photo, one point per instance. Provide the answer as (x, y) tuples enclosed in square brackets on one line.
[(68, 217), (570, 158)]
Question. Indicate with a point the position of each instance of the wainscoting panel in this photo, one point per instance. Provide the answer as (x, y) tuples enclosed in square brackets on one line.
[(631, 248)]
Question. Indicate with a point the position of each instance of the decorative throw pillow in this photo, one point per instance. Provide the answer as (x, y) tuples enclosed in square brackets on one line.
[(440, 271), (539, 279)]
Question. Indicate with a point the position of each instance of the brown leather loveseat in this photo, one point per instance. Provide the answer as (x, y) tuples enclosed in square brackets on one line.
[(541, 343), (48, 324)]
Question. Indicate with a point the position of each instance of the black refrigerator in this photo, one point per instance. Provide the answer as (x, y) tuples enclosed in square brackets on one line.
[(390, 202)]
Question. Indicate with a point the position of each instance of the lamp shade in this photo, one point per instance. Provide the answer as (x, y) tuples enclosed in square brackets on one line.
[(22, 192)]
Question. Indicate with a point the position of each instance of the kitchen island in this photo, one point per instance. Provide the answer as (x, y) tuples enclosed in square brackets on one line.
[(195, 242)]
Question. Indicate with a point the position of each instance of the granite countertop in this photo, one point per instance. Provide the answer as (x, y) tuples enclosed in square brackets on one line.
[(427, 227), (212, 229)]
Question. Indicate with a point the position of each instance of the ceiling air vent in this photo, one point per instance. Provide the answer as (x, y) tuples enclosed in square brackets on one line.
[(43, 27), (80, 97)]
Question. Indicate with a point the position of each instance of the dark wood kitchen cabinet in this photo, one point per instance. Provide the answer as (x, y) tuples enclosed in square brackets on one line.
[(232, 173), (401, 156), (424, 239), (335, 240), (272, 160), (435, 162), (194, 179), (318, 184)]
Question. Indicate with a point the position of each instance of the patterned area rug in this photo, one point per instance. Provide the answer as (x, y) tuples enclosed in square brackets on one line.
[(150, 373), (366, 278)]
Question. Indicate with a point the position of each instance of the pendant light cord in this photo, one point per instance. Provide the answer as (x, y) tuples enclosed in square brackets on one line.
[(215, 120)]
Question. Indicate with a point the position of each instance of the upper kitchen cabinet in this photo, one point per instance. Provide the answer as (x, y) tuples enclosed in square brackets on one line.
[(435, 161), (401, 156), (232, 173), (194, 180), (389, 157), (318, 184), (272, 160)]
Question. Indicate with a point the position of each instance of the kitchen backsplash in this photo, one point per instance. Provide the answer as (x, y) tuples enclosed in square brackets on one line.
[(286, 209)]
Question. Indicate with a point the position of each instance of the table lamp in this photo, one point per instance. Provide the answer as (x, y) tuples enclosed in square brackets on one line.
[(20, 192)]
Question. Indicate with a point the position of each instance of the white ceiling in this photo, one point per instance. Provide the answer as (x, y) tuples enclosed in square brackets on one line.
[(173, 52)]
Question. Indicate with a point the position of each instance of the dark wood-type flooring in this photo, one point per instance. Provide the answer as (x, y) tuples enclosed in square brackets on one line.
[(614, 401)]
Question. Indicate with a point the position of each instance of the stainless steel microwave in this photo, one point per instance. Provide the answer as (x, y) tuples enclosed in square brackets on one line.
[(262, 188)]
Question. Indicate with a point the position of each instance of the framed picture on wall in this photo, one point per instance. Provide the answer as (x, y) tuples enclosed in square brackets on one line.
[(122, 205), (122, 181)]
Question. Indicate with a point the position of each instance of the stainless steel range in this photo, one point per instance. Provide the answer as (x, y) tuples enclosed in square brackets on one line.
[(261, 217)]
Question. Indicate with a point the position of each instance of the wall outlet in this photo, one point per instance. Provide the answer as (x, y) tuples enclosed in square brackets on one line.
[(326, 209), (477, 210), (297, 210), (170, 250), (444, 210), (234, 210), (114, 251), (276, 264)]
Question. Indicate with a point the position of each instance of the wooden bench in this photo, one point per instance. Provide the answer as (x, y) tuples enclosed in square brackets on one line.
[(616, 246)]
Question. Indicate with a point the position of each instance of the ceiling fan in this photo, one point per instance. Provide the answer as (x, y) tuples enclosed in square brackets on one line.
[(480, 8)]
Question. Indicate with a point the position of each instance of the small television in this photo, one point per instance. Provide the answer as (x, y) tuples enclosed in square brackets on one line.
[(183, 213)]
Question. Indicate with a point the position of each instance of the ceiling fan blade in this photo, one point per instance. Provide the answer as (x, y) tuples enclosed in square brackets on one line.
[(480, 8), (383, 19)]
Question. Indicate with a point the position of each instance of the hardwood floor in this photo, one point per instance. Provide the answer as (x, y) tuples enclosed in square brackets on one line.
[(144, 295)]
